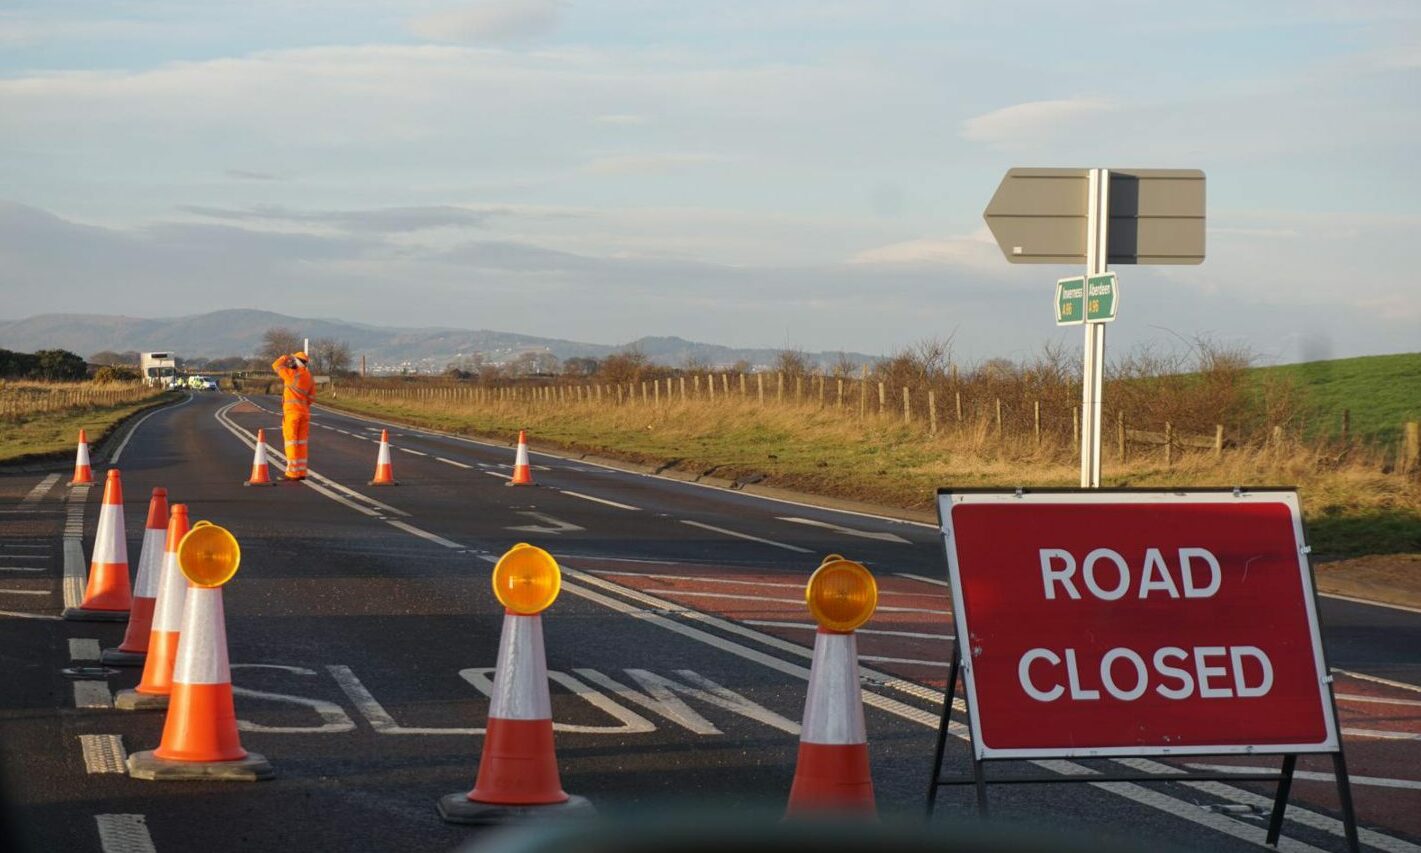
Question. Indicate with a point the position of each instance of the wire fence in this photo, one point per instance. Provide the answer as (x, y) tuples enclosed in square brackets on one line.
[(21, 401)]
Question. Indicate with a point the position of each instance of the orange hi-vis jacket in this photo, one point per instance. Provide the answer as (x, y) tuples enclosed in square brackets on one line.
[(296, 402), (300, 387)]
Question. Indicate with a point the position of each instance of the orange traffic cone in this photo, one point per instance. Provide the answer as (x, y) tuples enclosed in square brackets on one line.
[(83, 474), (522, 474), (384, 474), (518, 770), (134, 647), (157, 681), (831, 776), (200, 733), (261, 471), (107, 597)]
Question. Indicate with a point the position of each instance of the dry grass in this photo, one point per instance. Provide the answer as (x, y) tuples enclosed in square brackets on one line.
[(40, 418), (1353, 507)]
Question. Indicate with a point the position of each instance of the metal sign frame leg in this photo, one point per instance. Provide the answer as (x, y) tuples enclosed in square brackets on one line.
[(979, 773)]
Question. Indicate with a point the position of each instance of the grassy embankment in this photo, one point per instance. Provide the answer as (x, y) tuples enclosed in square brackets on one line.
[(1353, 506), (39, 419), (1380, 392)]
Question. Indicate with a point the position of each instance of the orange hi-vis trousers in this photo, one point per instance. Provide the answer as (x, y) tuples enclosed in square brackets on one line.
[(296, 427)]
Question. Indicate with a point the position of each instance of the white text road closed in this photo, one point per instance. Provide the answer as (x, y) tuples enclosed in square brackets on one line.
[(627, 704), (1136, 623)]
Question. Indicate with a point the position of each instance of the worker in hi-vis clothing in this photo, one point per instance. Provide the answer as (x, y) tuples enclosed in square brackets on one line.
[(296, 402)]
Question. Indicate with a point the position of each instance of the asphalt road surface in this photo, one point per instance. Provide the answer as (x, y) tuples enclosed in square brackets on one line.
[(363, 630)]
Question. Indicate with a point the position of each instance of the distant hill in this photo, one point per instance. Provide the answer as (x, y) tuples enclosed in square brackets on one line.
[(239, 331)]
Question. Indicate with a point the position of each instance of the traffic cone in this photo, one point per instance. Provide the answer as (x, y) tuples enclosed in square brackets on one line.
[(157, 682), (134, 647), (107, 597), (831, 776), (261, 471), (83, 474), (384, 474), (518, 770), (200, 738), (522, 474)]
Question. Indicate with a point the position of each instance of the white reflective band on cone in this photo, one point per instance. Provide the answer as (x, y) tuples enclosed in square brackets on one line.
[(520, 684), (109, 544), (172, 592), (522, 457), (261, 455), (383, 458), (833, 711), (82, 456), (150, 563), (202, 651)]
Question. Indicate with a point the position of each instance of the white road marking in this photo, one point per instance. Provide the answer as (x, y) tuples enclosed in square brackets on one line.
[(550, 525), (452, 462), (23, 591), (496, 474), (847, 531), (1381, 700), (24, 569), (341, 499), (411, 452), (40, 490), (103, 753), (81, 649), (334, 719), (1381, 735), (92, 694), (1377, 679), (810, 626), (660, 698), (737, 535), (75, 574), (1379, 781), (124, 833), (26, 557), (796, 601), (736, 581), (933, 581), (600, 500), (122, 445), (423, 534), (913, 661), (1386, 604), (375, 713), (629, 721), (18, 615)]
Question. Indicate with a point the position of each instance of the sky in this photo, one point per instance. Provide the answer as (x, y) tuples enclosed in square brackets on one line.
[(796, 173)]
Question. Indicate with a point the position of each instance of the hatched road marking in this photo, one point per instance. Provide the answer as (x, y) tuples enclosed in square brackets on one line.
[(452, 462), (1311, 776), (103, 753), (92, 694), (124, 833), (747, 536), (39, 491)]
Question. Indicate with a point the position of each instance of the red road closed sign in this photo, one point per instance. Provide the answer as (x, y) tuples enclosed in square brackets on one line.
[(1136, 623)]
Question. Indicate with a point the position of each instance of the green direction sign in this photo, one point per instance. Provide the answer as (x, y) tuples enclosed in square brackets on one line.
[(1070, 301), (1102, 298)]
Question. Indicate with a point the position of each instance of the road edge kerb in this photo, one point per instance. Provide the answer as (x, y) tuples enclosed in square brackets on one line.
[(99, 448), (661, 469)]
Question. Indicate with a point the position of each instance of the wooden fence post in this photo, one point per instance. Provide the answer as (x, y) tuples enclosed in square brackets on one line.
[(696, 384), (742, 385), (1120, 434), (1168, 444), (863, 393), (798, 388), (619, 393), (882, 398), (907, 408), (1411, 449), (779, 387), (1036, 422), (999, 419), (932, 412), (821, 390), (710, 386), (958, 396), (840, 404), (656, 393), (1218, 441), (725, 384), (760, 387)]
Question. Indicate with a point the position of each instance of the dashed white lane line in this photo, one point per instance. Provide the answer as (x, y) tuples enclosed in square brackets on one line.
[(747, 536), (847, 531), (1380, 700), (600, 500), (26, 557), (933, 581), (496, 474), (124, 833), (103, 753), (24, 591), (452, 462), (22, 569), (912, 661), (411, 452), (883, 632), (1377, 679), (15, 614), (1368, 601), (1378, 781), (92, 694), (1381, 735), (423, 534), (40, 490), (81, 649), (796, 601), (738, 582)]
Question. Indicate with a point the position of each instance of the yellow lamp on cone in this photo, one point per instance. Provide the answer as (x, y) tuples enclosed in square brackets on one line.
[(841, 595), (526, 580), (209, 555)]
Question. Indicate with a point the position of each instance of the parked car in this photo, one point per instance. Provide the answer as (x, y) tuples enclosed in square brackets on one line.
[(202, 383)]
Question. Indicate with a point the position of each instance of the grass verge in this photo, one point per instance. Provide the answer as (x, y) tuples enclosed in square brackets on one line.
[(53, 435)]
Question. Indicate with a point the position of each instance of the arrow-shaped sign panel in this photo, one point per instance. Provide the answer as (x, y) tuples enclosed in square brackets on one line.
[(1038, 216)]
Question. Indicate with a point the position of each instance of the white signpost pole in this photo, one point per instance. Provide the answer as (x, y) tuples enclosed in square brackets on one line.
[(1093, 361)]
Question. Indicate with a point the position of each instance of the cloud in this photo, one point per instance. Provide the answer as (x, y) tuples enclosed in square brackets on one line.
[(648, 164), (977, 251), (1022, 123), (490, 21), (387, 220)]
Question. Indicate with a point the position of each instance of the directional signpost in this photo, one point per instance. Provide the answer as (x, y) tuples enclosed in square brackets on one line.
[(1097, 217)]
